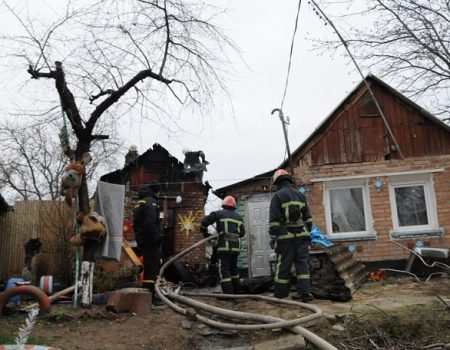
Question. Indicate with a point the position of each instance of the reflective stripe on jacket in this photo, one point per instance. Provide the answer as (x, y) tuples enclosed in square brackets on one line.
[(289, 215), (229, 226)]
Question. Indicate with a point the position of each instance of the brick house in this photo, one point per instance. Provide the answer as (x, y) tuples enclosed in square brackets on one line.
[(365, 186), (181, 221)]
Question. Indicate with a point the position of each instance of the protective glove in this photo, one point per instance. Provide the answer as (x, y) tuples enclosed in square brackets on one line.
[(273, 242)]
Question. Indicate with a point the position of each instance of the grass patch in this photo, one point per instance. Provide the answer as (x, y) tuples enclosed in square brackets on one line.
[(6, 338), (11, 339)]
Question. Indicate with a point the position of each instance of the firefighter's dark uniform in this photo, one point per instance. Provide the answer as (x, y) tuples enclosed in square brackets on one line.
[(290, 222), (146, 226), (230, 227)]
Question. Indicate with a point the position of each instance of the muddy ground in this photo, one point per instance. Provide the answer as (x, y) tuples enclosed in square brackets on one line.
[(394, 314)]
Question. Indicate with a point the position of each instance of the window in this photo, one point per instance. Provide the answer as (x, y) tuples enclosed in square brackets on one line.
[(347, 209), (413, 205)]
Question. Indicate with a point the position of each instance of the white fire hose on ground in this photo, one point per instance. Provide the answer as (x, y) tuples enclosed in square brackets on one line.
[(266, 322)]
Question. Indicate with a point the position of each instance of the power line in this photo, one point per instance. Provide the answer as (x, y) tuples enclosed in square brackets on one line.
[(290, 54), (369, 89)]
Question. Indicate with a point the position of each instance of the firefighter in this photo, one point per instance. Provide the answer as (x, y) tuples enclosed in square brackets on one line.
[(147, 229), (290, 224), (194, 163), (230, 227)]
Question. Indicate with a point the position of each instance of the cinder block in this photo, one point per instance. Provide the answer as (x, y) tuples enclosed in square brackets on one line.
[(134, 300)]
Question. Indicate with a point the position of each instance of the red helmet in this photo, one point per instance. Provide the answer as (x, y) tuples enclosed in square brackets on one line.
[(279, 175), (229, 201)]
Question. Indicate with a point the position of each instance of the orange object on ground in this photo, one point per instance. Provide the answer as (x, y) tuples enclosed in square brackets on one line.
[(379, 275)]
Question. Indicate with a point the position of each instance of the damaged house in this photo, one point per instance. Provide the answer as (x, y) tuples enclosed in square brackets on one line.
[(368, 180), (182, 198)]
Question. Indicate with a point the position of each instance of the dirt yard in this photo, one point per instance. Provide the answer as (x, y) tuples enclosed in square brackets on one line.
[(398, 314)]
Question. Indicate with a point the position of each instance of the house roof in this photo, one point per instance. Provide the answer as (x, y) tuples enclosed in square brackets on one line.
[(151, 156), (223, 191), (143, 157), (381, 83), (319, 129)]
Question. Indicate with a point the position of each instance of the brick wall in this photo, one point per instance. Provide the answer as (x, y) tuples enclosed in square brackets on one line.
[(381, 248), (188, 215)]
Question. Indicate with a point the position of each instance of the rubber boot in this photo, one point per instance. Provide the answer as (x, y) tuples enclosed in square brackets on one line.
[(304, 298), (227, 287)]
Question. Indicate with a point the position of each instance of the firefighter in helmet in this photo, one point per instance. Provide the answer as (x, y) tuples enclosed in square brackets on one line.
[(230, 227), (289, 227), (147, 227)]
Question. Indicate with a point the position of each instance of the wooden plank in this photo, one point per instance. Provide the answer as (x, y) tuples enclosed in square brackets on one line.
[(334, 147), (352, 134), (33, 219), (324, 144), (369, 140), (341, 128), (131, 254), (348, 136)]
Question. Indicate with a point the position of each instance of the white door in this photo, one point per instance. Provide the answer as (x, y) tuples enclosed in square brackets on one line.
[(258, 237)]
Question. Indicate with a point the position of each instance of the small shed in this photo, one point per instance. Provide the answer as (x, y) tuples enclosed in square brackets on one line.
[(181, 220), (369, 179)]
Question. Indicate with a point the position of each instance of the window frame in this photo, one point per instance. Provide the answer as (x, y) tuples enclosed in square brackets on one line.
[(361, 183), (426, 181)]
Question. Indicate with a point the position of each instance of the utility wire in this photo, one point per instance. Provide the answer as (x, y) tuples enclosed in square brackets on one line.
[(344, 42), (290, 54)]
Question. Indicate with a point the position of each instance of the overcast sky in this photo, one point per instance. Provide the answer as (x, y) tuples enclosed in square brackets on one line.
[(248, 140)]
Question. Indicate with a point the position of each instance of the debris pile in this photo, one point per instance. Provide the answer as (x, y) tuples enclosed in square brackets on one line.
[(336, 273)]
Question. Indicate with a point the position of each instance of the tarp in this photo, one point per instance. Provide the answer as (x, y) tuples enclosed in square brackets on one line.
[(319, 238), (109, 203)]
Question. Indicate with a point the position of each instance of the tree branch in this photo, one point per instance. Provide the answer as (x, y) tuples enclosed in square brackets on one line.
[(100, 94), (117, 94)]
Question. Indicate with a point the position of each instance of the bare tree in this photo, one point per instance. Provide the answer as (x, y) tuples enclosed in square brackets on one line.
[(32, 162), (117, 59), (405, 41)]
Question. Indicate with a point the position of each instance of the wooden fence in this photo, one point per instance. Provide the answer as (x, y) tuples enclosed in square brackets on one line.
[(51, 222)]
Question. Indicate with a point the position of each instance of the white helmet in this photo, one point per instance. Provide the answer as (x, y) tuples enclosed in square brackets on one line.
[(186, 150), (279, 175)]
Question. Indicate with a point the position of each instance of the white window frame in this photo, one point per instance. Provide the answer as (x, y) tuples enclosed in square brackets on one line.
[(425, 180), (362, 183)]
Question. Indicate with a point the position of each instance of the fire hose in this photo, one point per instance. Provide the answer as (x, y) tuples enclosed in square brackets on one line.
[(44, 301), (267, 322)]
